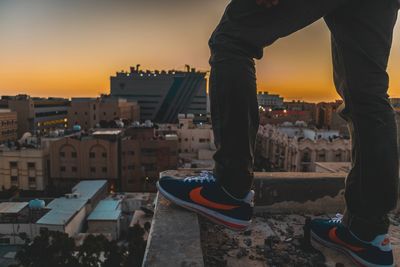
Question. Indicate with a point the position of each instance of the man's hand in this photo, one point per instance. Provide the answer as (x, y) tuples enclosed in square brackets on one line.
[(267, 3)]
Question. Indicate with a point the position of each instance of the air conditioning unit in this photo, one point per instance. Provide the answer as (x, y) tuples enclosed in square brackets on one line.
[(68, 195)]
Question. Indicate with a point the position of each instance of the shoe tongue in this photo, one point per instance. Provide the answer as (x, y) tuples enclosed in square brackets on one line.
[(250, 197)]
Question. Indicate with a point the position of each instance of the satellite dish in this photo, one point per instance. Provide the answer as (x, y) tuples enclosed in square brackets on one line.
[(24, 137)]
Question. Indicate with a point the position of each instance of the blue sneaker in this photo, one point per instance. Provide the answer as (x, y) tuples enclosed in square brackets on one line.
[(333, 234), (204, 196)]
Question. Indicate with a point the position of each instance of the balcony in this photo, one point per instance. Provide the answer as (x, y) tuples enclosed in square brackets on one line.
[(276, 238)]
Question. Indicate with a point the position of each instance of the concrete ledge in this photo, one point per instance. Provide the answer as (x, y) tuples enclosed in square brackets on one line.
[(174, 238), (286, 192)]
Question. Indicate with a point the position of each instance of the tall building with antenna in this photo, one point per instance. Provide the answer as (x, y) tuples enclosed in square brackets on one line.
[(162, 95)]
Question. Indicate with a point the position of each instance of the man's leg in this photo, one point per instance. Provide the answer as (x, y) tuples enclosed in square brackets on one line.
[(245, 29), (243, 32), (361, 42)]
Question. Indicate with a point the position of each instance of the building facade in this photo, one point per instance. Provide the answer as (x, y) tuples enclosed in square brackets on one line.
[(86, 158), (296, 150), (38, 115), (26, 169), (8, 125), (91, 112), (267, 100), (144, 156), (162, 95)]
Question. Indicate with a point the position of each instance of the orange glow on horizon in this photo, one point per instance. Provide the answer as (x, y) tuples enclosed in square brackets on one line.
[(65, 49)]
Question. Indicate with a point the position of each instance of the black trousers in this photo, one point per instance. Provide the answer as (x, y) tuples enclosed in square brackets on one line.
[(361, 33)]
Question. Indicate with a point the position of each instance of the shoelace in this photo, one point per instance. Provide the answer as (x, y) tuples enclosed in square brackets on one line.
[(203, 176), (337, 219)]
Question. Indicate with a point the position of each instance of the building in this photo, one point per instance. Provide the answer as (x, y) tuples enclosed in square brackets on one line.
[(8, 125), (144, 156), (296, 149), (129, 159), (332, 167), (38, 115), (93, 112), (279, 116), (106, 218), (195, 141), (267, 100), (24, 168), (326, 115), (68, 214), (90, 157), (15, 219), (162, 95)]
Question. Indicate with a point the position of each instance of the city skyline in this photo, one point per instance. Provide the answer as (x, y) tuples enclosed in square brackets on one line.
[(70, 48)]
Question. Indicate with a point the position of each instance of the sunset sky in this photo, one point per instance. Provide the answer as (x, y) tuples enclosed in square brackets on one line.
[(71, 47)]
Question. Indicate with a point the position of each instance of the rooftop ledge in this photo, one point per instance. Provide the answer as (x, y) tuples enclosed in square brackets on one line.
[(282, 203)]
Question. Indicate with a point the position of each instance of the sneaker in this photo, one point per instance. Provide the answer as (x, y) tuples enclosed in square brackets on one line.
[(205, 196), (333, 234)]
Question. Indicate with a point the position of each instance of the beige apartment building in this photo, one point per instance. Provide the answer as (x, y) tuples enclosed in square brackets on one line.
[(90, 112), (296, 149), (26, 169), (8, 125), (85, 158)]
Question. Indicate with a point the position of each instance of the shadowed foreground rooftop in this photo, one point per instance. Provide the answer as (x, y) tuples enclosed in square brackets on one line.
[(276, 237)]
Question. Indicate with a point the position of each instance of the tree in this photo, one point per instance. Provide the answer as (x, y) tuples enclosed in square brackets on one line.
[(137, 246), (114, 254), (48, 249), (91, 251)]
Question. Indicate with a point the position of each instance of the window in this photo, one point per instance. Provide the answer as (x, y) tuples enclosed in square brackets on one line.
[(62, 154), (13, 164), (202, 140), (92, 155), (73, 154), (14, 179), (74, 169), (104, 155), (92, 169), (131, 167), (31, 165), (104, 169), (32, 180), (62, 169)]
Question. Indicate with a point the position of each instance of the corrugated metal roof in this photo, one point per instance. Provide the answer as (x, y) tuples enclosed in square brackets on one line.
[(12, 207), (62, 210), (108, 209), (87, 189)]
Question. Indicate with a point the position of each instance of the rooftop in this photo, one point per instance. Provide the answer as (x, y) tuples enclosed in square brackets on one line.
[(62, 210), (276, 237), (88, 189), (12, 207), (65, 208), (106, 210)]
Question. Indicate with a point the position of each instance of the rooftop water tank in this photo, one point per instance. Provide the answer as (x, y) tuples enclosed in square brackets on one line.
[(36, 204), (76, 128)]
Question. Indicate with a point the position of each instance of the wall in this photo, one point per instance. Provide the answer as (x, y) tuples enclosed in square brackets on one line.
[(111, 227)]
